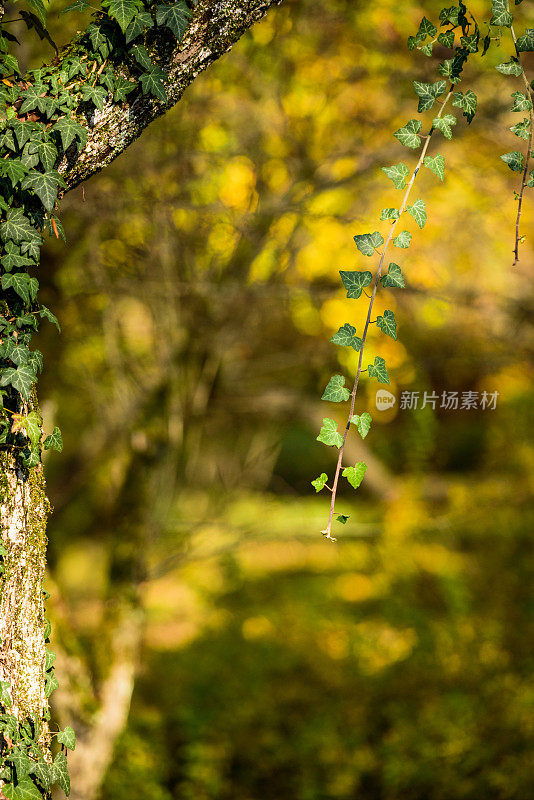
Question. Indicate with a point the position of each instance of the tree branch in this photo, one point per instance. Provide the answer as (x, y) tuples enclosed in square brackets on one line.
[(216, 25)]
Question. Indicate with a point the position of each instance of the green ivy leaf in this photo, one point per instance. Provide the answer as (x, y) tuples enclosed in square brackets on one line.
[(47, 154), (446, 38), (62, 772), (467, 102), (39, 9), (501, 15), (408, 134), (50, 657), (69, 130), (45, 185), (522, 129), (79, 5), (22, 284), (362, 422), (387, 324), (152, 84), (512, 67), (398, 174), (346, 337), (444, 125), (378, 370), (44, 773), (22, 379), (13, 169), (22, 130), (418, 212), (47, 314), (403, 239), (521, 102), (514, 160), (335, 390), (530, 182), (51, 684), (137, 26), (32, 425), (470, 41), (355, 282), (343, 518), (21, 762), (525, 43), (394, 278), (140, 54), (17, 227), (5, 696), (175, 16), (436, 164), (54, 441), (368, 242), (427, 93), (355, 474), (389, 213), (94, 94), (68, 737), (23, 790), (122, 10), (329, 434), (319, 482)]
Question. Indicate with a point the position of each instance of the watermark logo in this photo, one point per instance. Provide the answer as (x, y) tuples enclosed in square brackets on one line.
[(384, 400)]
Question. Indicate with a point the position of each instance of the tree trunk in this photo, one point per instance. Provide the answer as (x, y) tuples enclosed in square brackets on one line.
[(24, 511)]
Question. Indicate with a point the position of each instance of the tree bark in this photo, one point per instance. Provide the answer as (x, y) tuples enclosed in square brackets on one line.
[(24, 510), (216, 25)]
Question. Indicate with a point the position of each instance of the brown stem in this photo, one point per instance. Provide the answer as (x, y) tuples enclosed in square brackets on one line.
[(327, 531), (529, 148)]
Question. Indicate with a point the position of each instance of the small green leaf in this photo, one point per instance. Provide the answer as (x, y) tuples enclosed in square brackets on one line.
[(418, 212), (362, 422), (514, 160), (387, 324), (152, 83), (467, 102), (398, 174), (368, 242), (335, 390), (45, 185), (394, 278), (355, 282), (50, 657), (346, 337), (319, 482), (122, 10), (22, 379), (62, 772), (525, 43), (378, 370), (68, 737), (94, 94), (355, 474), (522, 129), (32, 425), (444, 125), (436, 164), (21, 762), (408, 134), (403, 239), (47, 314), (25, 286), (389, 213), (5, 696), (521, 102), (342, 518), (69, 130), (175, 16), (512, 67), (329, 434), (428, 92), (23, 790), (54, 441), (17, 227), (51, 684), (501, 15), (446, 38)]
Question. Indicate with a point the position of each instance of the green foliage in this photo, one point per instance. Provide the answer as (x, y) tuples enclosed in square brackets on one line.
[(398, 174), (355, 282), (355, 474), (436, 164), (335, 390), (514, 160), (319, 482), (403, 239), (378, 370), (367, 243), (388, 324), (408, 134), (362, 422), (445, 124), (394, 278), (346, 337), (329, 434), (418, 212)]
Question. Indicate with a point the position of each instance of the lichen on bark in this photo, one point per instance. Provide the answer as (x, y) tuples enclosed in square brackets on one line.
[(24, 509)]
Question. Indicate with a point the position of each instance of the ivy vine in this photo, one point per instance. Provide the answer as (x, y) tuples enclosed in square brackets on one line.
[(460, 33)]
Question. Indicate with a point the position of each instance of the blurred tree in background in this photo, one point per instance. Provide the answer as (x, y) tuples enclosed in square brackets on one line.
[(197, 298)]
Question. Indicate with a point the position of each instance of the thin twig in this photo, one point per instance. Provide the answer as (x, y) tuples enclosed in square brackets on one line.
[(529, 149), (327, 531)]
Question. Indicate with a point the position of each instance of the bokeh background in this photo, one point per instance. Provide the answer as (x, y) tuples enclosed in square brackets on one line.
[(211, 645)]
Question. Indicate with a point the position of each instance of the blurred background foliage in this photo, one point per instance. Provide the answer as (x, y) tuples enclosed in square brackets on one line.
[(197, 296)]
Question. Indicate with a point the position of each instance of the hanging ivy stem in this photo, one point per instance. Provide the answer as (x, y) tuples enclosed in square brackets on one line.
[(327, 531), (529, 148)]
